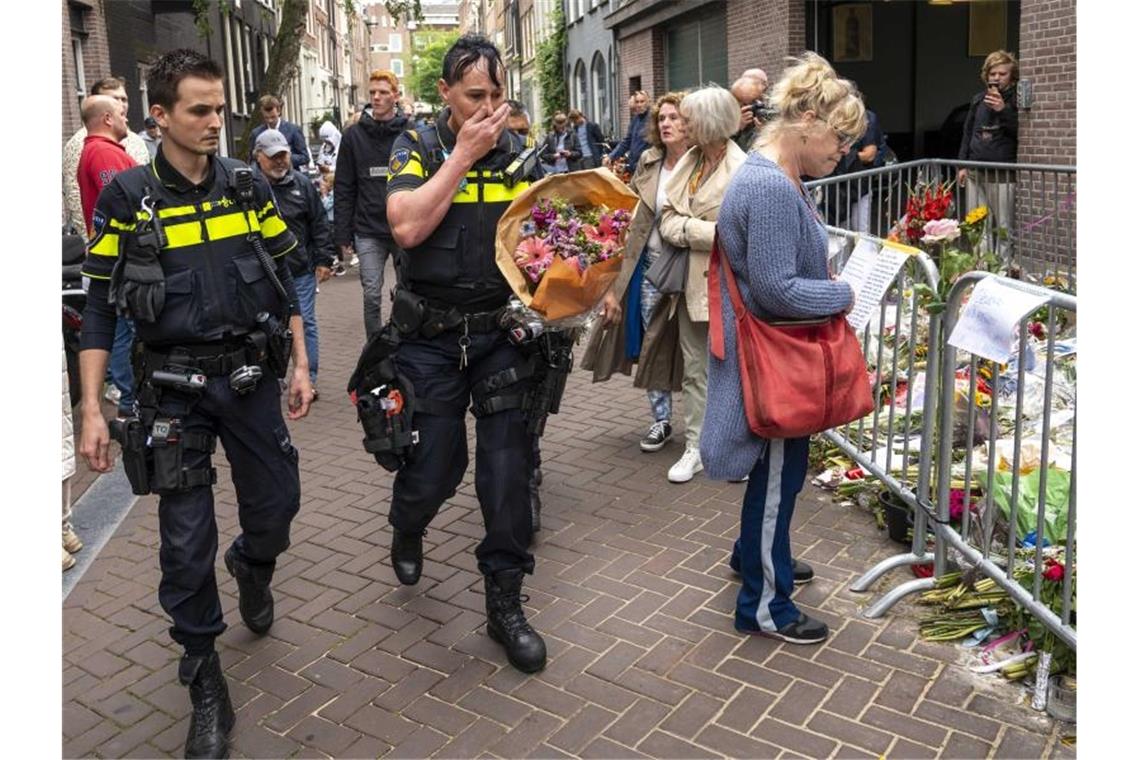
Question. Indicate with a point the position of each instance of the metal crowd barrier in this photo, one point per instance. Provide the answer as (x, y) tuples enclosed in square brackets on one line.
[(1034, 203), (973, 542), (972, 538), (891, 446)]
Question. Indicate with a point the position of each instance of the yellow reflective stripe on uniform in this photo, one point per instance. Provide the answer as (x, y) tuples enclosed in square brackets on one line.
[(95, 276), (418, 171), (106, 245), (497, 192), (164, 213), (182, 235), (265, 210), (116, 224), (272, 227), (217, 228)]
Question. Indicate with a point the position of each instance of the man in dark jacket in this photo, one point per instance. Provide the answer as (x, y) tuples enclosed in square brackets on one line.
[(990, 134), (634, 142), (560, 150), (299, 204), (360, 216), (270, 108), (589, 140)]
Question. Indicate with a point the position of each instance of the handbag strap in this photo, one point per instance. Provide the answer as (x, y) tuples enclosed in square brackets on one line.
[(716, 320)]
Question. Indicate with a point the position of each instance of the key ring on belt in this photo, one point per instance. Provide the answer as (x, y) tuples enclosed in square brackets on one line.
[(464, 342)]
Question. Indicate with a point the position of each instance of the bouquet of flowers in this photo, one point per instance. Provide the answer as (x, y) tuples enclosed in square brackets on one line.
[(956, 247), (560, 243)]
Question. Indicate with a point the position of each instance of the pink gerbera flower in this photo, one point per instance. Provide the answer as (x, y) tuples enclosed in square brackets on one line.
[(532, 250)]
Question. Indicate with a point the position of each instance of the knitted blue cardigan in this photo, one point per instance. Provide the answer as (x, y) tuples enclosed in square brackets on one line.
[(777, 248)]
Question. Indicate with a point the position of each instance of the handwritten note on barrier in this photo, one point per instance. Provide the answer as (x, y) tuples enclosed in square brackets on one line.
[(988, 325), (871, 270)]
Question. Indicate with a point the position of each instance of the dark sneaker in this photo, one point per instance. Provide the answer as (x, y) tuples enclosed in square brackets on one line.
[(659, 434), (806, 630), (801, 571)]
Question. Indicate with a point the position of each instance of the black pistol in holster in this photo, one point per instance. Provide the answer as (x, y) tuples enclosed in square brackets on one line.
[(153, 444), (554, 360), (276, 347)]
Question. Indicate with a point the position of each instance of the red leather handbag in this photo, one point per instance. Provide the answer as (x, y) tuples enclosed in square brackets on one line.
[(798, 377)]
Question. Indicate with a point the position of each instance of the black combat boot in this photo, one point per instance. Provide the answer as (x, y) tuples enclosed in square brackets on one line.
[(408, 556), (255, 600), (506, 624), (213, 715)]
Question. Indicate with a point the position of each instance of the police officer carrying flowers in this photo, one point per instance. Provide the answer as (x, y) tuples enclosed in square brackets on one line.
[(448, 185), (192, 248)]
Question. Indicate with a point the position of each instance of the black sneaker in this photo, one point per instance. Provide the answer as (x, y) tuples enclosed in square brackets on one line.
[(801, 571), (806, 630), (659, 434)]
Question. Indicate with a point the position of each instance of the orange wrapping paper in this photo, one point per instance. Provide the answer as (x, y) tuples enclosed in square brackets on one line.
[(562, 292)]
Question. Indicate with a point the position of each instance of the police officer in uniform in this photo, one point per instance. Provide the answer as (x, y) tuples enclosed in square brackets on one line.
[(448, 185), (192, 248)]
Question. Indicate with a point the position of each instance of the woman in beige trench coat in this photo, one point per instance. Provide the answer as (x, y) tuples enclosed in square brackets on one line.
[(688, 220), (647, 336)]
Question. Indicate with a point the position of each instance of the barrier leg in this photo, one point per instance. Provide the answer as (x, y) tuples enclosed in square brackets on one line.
[(865, 581), (887, 600)]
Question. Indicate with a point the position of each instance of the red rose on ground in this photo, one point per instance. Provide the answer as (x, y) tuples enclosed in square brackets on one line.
[(1054, 571)]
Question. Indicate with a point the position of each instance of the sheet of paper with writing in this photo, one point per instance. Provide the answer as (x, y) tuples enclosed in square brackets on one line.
[(988, 325), (871, 270)]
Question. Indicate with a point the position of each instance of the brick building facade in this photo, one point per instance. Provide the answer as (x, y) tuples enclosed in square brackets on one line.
[(86, 58), (1047, 130)]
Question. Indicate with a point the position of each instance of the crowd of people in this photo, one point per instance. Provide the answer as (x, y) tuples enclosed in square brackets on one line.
[(718, 173)]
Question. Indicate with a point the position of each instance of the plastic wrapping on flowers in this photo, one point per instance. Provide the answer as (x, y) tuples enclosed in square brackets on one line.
[(560, 244)]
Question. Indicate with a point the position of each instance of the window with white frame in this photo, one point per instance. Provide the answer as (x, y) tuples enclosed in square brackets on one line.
[(230, 59), (77, 61), (249, 85), (580, 91), (395, 43), (398, 67), (144, 95), (599, 79)]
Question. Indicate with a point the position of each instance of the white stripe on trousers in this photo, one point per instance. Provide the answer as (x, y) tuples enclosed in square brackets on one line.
[(768, 532)]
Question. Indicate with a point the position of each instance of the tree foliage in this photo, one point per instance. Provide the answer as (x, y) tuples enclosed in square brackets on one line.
[(551, 61), (427, 66)]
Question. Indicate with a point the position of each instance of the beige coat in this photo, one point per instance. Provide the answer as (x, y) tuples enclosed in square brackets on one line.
[(689, 220), (659, 365)]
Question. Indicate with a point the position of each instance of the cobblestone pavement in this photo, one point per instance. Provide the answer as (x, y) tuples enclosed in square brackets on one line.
[(632, 592)]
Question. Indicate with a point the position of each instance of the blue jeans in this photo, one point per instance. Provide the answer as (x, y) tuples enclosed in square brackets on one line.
[(306, 285), (121, 373), (373, 254)]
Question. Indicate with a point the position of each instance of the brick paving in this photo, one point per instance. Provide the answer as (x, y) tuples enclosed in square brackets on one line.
[(632, 592)]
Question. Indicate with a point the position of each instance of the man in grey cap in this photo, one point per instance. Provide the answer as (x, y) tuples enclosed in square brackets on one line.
[(150, 135), (299, 204)]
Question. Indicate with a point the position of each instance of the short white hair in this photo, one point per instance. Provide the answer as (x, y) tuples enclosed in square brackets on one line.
[(711, 114)]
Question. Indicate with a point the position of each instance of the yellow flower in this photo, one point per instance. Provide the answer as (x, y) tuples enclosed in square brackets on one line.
[(977, 215)]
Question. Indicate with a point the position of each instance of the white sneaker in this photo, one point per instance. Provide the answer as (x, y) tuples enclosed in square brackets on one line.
[(355, 261), (686, 467)]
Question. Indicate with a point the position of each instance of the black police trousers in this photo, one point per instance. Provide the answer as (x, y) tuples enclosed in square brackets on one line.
[(263, 462), (435, 467)]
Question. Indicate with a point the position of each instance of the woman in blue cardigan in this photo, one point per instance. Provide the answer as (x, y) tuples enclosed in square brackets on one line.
[(773, 238)]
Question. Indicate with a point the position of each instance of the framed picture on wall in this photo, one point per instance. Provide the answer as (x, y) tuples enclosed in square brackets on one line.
[(851, 32), (987, 27)]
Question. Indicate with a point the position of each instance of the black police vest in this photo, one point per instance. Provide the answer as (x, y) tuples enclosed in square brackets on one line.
[(215, 285), (456, 263)]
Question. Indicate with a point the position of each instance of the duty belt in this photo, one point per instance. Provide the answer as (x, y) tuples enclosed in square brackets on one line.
[(443, 319), (209, 359)]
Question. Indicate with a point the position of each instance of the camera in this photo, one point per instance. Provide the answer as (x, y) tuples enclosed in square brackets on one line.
[(762, 111)]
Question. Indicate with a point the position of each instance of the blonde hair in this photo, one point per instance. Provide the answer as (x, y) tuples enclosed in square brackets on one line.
[(810, 84), (711, 114), (999, 58), (652, 133)]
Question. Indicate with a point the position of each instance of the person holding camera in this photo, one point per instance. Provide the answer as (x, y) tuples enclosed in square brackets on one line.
[(449, 185), (192, 248), (754, 111), (990, 134)]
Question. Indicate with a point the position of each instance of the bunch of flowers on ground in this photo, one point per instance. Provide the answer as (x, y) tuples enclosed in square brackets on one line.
[(581, 237)]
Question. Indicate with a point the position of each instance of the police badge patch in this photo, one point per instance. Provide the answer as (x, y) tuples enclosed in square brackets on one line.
[(399, 160)]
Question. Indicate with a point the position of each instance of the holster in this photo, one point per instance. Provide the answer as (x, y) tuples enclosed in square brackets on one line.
[(138, 284)]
